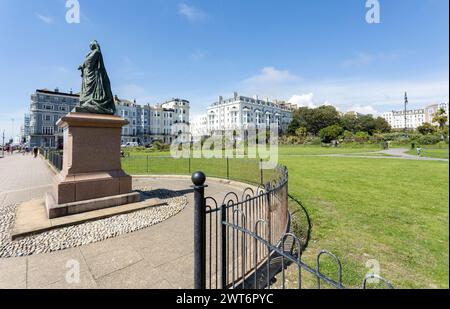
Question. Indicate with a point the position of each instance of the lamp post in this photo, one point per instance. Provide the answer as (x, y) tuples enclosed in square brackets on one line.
[(406, 103)]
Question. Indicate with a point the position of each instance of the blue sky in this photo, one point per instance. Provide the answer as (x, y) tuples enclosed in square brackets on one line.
[(309, 52)]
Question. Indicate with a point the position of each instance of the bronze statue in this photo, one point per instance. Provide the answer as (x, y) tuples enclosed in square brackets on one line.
[(96, 95)]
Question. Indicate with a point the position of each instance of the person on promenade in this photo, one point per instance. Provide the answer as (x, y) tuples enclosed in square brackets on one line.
[(419, 151), (35, 152)]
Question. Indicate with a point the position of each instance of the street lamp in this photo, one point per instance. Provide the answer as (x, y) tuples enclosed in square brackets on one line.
[(12, 129), (406, 103)]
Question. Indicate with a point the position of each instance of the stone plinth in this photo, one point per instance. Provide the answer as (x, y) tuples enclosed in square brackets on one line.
[(91, 166)]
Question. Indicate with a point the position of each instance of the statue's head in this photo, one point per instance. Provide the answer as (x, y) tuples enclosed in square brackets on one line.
[(94, 45)]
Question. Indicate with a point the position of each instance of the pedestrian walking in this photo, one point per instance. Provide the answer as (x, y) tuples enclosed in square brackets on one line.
[(35, 152), (419, 151)]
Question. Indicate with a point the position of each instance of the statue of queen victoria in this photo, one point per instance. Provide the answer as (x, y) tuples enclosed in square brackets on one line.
[(96, 95)]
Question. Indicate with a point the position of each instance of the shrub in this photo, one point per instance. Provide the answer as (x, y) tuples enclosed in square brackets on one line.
[(361, 137), (330, 133), (313, 141), (348, 137), (426, 129), (428, 140)]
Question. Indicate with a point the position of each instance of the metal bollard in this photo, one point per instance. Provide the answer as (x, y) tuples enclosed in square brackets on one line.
[(198, 179)]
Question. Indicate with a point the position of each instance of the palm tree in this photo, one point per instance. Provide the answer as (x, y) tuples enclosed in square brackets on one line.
[(441, 118)]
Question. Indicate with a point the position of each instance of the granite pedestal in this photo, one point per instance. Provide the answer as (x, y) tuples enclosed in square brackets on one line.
[(92, 177)]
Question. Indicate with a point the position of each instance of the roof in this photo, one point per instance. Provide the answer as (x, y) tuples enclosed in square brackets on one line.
[(46, 91)]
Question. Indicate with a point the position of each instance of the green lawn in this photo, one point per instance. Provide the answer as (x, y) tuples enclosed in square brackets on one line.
[(393, 211), (285, 150), (432, 153), (318, 150)]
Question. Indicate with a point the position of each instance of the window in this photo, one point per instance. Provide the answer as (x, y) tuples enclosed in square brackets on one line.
[(47, 118), (47, 130)]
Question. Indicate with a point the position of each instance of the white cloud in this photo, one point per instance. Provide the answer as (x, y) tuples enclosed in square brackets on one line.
[(380, 94), (190, 12), (44, 18), (303, 100), (367, 95), (366, 110), (271, 74)]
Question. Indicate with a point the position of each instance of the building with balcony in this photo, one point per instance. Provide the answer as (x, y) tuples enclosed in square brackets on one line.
[(46, 108), (239, 112), (414, 117), (147, 123)]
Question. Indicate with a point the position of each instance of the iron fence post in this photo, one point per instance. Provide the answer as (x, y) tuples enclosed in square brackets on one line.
[(228, 168), (147, 163), (261, 175), (198, 179), (223, 247)]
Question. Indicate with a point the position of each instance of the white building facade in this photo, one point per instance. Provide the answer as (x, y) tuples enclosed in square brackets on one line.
[(239, 112), (149, 123), (199, 126), (414, 118)]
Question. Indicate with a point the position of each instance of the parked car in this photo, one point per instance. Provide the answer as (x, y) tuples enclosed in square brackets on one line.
[(130, 144)]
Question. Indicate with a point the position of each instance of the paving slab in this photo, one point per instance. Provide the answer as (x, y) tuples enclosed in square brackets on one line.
[(13, 273)]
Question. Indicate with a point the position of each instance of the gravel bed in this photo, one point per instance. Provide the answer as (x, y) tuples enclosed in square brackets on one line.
[(89, 232)]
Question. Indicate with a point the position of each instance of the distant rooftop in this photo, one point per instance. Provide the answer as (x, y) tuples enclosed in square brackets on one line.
[(57, 92)]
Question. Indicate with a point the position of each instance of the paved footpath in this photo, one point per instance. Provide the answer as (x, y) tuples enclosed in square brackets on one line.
[(160, 256)]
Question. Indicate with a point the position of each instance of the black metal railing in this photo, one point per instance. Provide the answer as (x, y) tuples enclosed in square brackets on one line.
[(245, 241), (240, 169), (54, 157)]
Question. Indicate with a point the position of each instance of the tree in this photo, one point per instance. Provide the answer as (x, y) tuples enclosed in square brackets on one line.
[(330, 133), (321, 117), (367, 124), (426, 129), (293, 126), (382, 126), (441, 118), (349, 122)]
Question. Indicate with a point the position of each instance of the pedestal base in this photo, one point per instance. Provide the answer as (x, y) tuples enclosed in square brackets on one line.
[(92, 177), (55, 211)]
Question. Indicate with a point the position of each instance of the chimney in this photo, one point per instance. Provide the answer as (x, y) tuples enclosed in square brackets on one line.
[(56, 89), (235, 95), (220, 99), (71, 91)]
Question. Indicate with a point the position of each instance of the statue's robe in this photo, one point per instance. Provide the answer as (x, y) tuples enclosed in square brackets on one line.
[(96, 95)]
